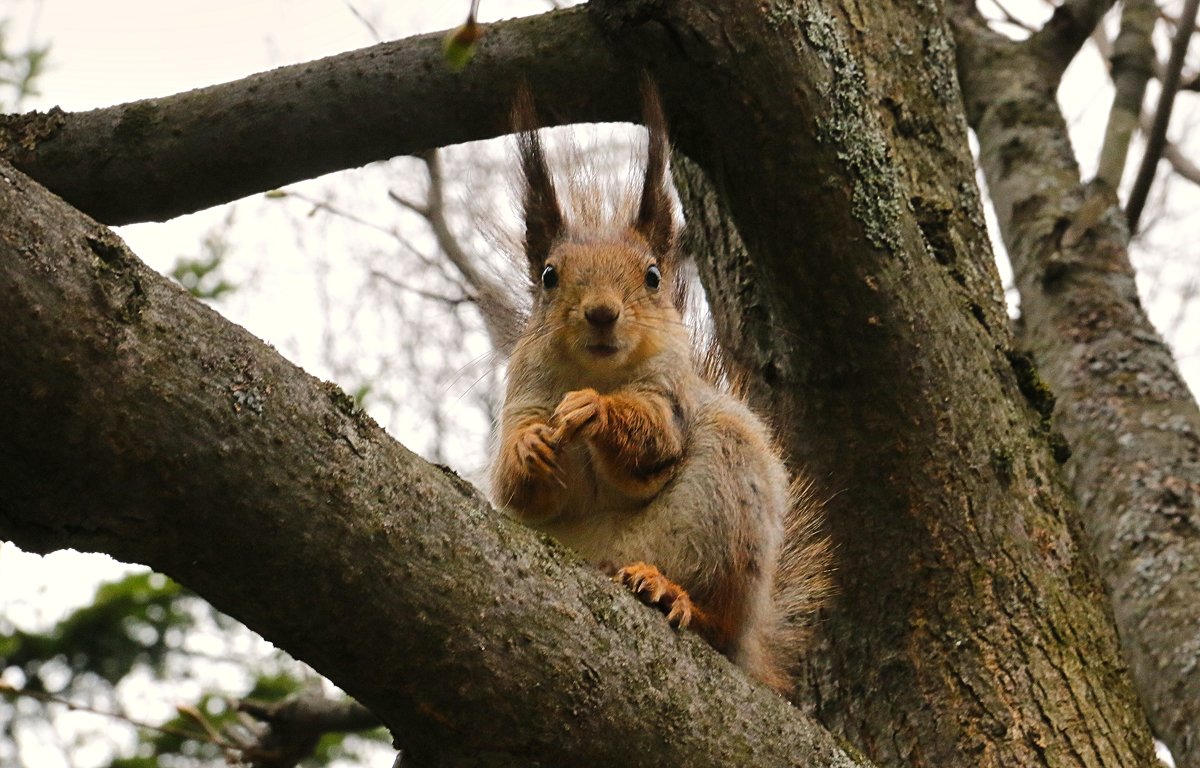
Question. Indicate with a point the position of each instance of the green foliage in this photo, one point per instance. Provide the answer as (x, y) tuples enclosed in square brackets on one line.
[(18, 71), (201, 276), (127, 625), (137, 625)]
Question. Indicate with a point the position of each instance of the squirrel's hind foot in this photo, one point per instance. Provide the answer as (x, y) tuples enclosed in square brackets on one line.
[(650, 586)]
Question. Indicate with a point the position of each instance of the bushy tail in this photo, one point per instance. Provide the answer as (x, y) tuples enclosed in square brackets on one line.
[(803, 579)]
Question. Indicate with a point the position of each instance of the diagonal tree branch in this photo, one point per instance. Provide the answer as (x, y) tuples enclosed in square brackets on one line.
[(1132, 61), (1180, 163), (146, 426), (1156, 139), (159, 158), (1064, 34), (501, 313)]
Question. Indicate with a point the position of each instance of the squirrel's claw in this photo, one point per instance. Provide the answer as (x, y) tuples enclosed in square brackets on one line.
[(576, 409), (650, 586), (535, 450)]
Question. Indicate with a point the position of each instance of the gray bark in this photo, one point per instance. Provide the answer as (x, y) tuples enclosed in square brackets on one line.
[(1133, 425), (154, 159)]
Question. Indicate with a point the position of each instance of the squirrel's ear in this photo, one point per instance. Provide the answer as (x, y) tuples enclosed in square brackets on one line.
[(543, 217), (655, 218)]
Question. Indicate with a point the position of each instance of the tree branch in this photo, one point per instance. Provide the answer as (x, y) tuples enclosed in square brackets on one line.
[(159, 158), (1057, 43), (1157, 138), (1132, 61), (501, 314), (1122, 403), (1180, 163), (143, 425), (290, 729)]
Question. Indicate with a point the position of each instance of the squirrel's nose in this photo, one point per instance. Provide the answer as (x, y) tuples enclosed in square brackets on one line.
[(601, 315)]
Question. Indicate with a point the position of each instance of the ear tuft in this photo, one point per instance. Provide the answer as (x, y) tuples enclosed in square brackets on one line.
[(655, 218), (543, 217)]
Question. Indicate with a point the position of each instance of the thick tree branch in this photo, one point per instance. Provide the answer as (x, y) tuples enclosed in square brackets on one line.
[(1132, 64), (143, 425), (159, 158), (1133, 424)]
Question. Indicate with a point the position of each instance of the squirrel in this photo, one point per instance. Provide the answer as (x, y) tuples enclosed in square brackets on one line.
[(613, 440)]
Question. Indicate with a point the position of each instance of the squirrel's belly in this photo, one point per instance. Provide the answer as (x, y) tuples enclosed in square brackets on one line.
[(592, 536)]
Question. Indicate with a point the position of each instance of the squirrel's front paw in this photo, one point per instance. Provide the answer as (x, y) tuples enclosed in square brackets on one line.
[(536, 454), (577, 409), (654, 589)]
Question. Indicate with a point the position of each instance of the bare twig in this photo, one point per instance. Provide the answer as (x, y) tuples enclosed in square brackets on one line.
[(494, 299), (1156, 140), (207, 734), (364, 21), (451, 301), (1012, 18)]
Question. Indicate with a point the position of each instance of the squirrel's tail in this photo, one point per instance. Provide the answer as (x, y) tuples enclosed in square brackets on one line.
[(803, 580)]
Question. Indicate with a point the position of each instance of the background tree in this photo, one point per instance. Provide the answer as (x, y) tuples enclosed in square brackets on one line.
[(969, 627)]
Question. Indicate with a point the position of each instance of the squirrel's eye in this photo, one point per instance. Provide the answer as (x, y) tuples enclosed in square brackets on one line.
[(653, 277), (549, 277)]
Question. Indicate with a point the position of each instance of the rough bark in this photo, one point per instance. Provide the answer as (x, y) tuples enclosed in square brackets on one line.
[(1133, 425), (141, 424), (159, 158), (966, 609)]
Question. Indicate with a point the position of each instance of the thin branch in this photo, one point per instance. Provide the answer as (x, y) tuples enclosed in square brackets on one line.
[(450, 301), (494, 299), (364, 21), (1156, 140), (49, 698), (1012, 18), (1180, 163)]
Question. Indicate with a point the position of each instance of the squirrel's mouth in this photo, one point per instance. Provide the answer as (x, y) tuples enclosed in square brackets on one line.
[(602, 350)]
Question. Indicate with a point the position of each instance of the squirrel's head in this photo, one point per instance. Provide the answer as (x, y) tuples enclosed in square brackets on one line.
[(607, 295)]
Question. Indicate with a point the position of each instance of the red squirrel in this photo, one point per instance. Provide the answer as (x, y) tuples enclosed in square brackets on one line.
[(615, 442)]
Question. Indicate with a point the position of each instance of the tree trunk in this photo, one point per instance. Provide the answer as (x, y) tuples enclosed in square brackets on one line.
[(869, 313)]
